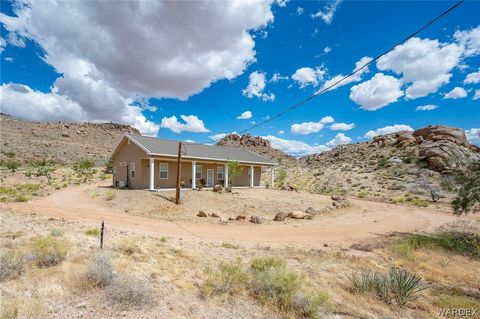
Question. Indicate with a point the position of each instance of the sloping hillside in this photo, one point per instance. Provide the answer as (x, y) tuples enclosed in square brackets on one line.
[(61, 141)]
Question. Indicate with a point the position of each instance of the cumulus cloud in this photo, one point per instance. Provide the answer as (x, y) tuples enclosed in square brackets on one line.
[(328, 11), (310, 127), (456, 93), (354, 78), (245, 115), (256, 87), (342, 126), (473, 135), (388, 130), (277, 77), (300, 11), (339, 139), (281, 132), (307, 76), (166, 50), (472, 78), (469, 40), (425, 64), (189, 141), (377, 92), (476, 96), (192, 124), (428, 107), (3, 43), (327, 49), (295, 147)]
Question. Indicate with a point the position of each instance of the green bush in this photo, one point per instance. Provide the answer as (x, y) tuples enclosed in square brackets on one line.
[(229, 278), (12, 264), (382, 162), (84, 169), (11, 164), (95, 232), (263, 264), (21, 198), (49, 250), (397, 285), (110, 195), (56, 232)]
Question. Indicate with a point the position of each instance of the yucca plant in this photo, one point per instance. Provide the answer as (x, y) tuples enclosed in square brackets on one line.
[(403, 285)]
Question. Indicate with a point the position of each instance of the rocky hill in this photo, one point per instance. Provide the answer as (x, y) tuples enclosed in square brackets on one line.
[(63, 142), (258, 145)]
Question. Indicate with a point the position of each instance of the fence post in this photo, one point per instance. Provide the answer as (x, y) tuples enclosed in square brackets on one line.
[(102, 229)]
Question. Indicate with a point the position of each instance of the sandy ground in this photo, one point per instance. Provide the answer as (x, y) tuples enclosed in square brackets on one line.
[(363, 220)]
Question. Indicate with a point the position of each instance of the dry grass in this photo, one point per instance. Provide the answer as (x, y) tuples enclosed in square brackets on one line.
[(49, 250), (127, 291)]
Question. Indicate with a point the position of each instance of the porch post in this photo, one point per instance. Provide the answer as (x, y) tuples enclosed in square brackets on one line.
[(273, 177), (225, 182), (251, 175), (152, 174), (194, 174)]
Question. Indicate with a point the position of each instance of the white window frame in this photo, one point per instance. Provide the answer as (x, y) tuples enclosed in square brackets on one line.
[(198, 169), (132, 170), (220, 170), (160, 170)]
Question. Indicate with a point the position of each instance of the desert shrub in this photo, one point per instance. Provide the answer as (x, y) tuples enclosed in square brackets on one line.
[(11, 164), (397, 285), (409, 158), (12, 264), (229, 278), (21, 198), (130, 292), (280, 178), (84, 169), (49, 250), (419, 202), (382, 162), (95, 232), (263, 264), (100, 270), (42, 167), (56, 232), (9, 313), (108, 167), (110, 194)]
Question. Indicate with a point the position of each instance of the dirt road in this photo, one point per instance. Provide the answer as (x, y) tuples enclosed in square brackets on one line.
[(364, 220)]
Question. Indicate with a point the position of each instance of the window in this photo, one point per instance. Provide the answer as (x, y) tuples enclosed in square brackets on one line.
[(132, 170), (198, 171), (219, 172), (163, 170)]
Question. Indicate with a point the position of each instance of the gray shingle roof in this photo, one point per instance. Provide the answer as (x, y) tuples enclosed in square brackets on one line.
[(156, 146)]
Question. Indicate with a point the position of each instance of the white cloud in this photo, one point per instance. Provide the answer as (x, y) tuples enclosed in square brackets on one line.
[(354, 78), (328, 11), (282, 3), (8, 59), (277, 77), (295, 147), (428, 107), (473, 135), (192, 124), (339, 139), (327, 49), (245, 115), (342, 126), (476, 96), (307, 76), (281, 132), (472, 78), (255, 87), (300, 11), (310, 127), (167, 50), (388, 130), (469, 40), (219, 136), (377, 92), (425, 64), (456, 93), (189, 141)]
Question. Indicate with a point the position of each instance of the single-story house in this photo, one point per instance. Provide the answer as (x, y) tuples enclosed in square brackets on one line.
[(143, 162)]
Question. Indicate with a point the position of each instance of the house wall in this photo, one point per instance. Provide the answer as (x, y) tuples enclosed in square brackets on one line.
[(130, 152)]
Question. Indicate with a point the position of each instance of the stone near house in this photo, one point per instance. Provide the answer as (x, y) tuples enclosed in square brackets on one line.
[(241, 217), (337, 197), (311, 211), (281, 216), (223, 220), (215, 215), (201, 213), (217, 188), (341, 203), (297, 214), (256, 219)]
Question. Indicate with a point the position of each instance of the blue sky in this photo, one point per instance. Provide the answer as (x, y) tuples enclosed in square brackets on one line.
[(189, 70)]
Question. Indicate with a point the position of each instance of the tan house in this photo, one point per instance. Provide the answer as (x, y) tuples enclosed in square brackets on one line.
[(142, 162)]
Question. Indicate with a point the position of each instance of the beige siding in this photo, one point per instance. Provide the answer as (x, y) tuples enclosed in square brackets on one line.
[(128, 153)]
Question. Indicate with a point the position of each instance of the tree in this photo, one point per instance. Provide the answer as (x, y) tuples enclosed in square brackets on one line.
[(465, 182), (423, 181), (41, 168), (84, 169), (234, 170), (280, 178)]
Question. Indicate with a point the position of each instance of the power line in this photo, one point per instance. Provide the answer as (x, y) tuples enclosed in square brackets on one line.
[(291, 108)]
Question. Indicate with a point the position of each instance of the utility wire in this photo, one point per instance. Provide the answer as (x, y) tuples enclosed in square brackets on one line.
[(291, 108)]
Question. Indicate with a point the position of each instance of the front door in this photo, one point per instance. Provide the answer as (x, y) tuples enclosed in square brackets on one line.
[(209, 177)]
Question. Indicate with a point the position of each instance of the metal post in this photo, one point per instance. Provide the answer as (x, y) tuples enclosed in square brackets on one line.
[(179, 159), (102, 230)]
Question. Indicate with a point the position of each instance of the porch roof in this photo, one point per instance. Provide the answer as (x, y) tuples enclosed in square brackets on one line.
[(161, 147)]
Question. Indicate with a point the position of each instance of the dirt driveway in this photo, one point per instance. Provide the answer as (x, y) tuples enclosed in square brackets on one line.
[(363, 220)]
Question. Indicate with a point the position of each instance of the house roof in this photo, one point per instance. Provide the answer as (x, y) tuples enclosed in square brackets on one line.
[(162, 147)]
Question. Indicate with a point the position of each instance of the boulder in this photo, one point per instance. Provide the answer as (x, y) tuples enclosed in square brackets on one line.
[(297, 214), (215, 215), (442, 133), (341, 203), (201, 213), (311, 211), (217, 188), (256, 219), (281, 216), (395, 160), (337, 197), (241, 217), (223, 220), (405, 137)]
